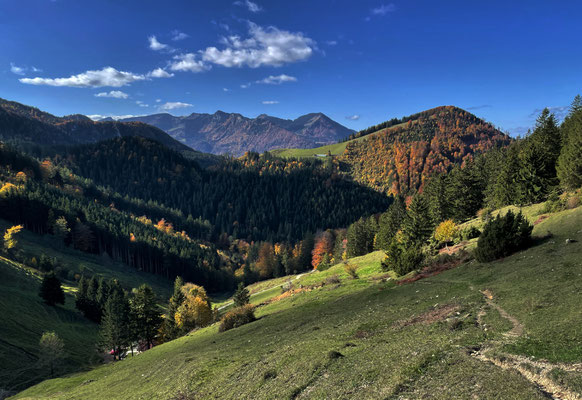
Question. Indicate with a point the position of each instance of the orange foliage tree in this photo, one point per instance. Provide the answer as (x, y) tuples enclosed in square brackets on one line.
[(323, 246)]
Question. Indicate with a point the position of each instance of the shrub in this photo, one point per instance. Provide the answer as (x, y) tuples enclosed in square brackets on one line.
[(446, 231), (351, 270), (402, 259), (503, 236), (332, 280), (553, 204), (237, 317), (242, 295), (469, 233)]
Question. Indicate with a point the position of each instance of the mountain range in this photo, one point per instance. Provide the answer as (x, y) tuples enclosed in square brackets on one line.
[(232, 133)]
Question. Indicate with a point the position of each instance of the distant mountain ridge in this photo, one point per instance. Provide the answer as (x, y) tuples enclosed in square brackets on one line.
[(23, 124), (235, 134)]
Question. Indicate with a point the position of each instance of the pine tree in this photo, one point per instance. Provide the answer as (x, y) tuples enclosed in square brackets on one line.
[(360, 238), (241, 296), (169, 329), (569, 166), (418, 225), (51, 290), (507, 187), (115, 323), (389, 223), (146, 314)]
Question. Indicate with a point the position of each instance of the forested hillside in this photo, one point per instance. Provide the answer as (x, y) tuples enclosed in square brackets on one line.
[(399, 158), (29, 126), (254, 198)]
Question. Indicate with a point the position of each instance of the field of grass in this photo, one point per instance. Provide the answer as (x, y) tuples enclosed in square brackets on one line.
[(25, 317), (371, 338)]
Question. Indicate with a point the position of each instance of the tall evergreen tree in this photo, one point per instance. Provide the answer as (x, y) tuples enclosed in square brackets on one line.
[(389, 223), (418, 225), (360, 238), (241, 296), (51, 290), (115, 334), (569, 166), (507, 187), (169, 329), (146, 314)]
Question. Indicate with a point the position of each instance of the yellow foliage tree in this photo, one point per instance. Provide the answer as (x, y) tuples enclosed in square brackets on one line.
[(195, 311), (445, 231), (10, 237), (8, 189)]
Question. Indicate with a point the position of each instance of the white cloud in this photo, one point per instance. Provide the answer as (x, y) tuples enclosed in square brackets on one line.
[(177, 35), (160, 73), (270, 102), (155, 45), (245, 86), (107, 76), (265, 46), (331, 42), (225, 90), (384, 9), (99, 117), (141, 103), (114, 94), (34, 69), (188, 62), (354, 117), (277, 80), (17, 70), (252, 7), (172, 105), (158, 100)]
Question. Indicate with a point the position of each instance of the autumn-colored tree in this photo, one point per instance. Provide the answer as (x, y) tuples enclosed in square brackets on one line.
[(323, 246), (11, 237), (445, 231), (47, 170), (265, 264), (196, 310), (8, 189), (21, 177)]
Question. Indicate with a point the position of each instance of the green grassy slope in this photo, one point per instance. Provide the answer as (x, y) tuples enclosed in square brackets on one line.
[(370, 338), (25, 318)]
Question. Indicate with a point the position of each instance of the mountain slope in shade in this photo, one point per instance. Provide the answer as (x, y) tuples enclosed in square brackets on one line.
[(398, 159), (24, 124), (235, 134)]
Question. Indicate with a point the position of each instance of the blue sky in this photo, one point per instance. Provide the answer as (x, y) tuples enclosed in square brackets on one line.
[(360, 62)]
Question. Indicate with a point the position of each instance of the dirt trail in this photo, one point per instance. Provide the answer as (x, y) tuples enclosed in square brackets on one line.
[(537, 372)]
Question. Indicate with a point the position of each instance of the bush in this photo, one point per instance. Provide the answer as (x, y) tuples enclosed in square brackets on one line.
[(237, 317), (503, 236), (402, 259), (469, 233), (332, 280), (351, 270)]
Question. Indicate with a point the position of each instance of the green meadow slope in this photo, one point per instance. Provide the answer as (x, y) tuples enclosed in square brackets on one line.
[(507, 329), (25, 317)]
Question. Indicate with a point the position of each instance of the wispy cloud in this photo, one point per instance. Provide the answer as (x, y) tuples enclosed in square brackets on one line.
[(173, 105), (225, 90), (107, 76), (99, 117), (16, 69), (141, 103), (277, 80), (177, 35), (270, 102), (384, 9), (114, 94), (482, 106), (251, 6), (559, 111), (245, 86), (331, 42), (156, 45), (354, 117)]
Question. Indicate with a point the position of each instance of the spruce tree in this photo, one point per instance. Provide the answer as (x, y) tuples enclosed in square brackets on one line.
[(389, 223), (507, 187), (569, 166), (51, 290), (146, 314), (241, 296), (115, 334), (170, 329), (418, 225)]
